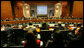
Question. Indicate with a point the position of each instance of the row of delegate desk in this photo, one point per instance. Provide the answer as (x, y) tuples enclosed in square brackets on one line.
[(46, 20)]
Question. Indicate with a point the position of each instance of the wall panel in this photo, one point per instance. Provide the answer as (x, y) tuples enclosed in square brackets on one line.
[(18, 8), (78, 9), (6, 10)]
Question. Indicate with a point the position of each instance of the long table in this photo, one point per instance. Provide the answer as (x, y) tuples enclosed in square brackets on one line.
[(46, 20)]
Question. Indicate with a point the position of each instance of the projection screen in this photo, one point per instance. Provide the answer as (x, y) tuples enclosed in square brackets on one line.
[(41, 10)]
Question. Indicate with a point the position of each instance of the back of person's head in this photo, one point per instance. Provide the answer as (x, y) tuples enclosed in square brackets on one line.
[(59, 23), (78, 25), (55, 25), (48, 25), (37, 26), (43, 24), (8, 25), (30, 23)]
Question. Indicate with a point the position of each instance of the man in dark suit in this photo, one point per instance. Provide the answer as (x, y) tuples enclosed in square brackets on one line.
[(79, 42)]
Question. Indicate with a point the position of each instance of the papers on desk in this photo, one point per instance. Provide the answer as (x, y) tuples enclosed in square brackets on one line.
[(73, 27), (51, 25), (16, 28), (45, 30), (20, 26), (63, 25)]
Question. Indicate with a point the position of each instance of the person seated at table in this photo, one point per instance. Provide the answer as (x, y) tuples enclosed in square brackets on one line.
[(44, 26), (30, 39), (8, 27), (77, 29), (58, 39), (30, 28), (60, 26)]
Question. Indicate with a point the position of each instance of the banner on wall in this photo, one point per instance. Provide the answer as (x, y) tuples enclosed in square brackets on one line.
[(26, 10), (58, 10)]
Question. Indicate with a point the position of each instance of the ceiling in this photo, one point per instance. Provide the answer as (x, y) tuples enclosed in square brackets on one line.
[(39, 2)]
